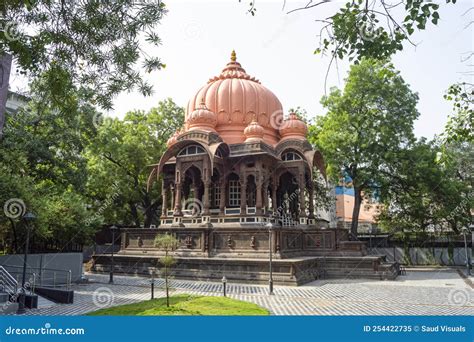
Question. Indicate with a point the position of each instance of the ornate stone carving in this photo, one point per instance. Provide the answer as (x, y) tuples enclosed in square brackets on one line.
[(189, 241), (253, 242), (230, 242)]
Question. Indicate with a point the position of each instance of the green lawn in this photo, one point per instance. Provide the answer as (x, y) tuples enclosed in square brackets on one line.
[(185, 305)]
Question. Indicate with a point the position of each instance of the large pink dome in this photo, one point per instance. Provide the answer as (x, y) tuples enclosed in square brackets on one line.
[(236, 98)]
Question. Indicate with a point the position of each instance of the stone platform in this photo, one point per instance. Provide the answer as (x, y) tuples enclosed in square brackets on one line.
[(291, 271), (300, 255)]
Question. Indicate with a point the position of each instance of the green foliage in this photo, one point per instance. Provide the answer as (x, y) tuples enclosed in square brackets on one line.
[(460, 126), (167, 243), (119, 161), (76, 175), (185, 305), (374, 29), (41, 163), (91, 45), (423, 194), (366, 125)]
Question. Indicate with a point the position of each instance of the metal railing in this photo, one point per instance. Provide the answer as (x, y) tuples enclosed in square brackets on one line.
[(47, 277), (7, 282)]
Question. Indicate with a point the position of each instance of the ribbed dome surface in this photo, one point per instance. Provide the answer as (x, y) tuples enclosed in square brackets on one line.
[(293, 128), (254, 132), (236, 98), (202, 119)]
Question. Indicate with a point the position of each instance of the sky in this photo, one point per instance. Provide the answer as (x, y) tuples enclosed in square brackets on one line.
[(277, 48)]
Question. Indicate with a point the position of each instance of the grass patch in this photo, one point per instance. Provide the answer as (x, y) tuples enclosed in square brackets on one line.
[(185, 305)]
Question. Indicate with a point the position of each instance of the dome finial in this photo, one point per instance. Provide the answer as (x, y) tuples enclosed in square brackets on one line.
[(233, 56)]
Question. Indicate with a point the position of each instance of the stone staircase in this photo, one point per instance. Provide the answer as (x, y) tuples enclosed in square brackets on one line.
[(367, 267)]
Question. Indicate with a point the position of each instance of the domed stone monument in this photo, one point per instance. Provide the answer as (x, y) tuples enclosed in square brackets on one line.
[(237, 179)]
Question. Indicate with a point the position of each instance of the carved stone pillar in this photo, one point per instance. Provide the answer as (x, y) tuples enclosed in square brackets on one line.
[(243, 195), (205, 201), (302, 215), (164, 196), (311, 202), (206, 213), (222, 186), (177, 200), (172, 196), (265, 195), (258, 200), (274, 197)]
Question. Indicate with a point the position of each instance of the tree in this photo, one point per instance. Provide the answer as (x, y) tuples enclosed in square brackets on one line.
[(43, 170), (119, 161), (365, 127), (167, 243), (460, 126), (92, 45), (422, 194), (369, 28)]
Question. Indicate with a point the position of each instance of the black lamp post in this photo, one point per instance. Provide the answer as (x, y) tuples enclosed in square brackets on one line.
[(28, 217), (224, 284), (465, 230), (112, 265), (269, 225)]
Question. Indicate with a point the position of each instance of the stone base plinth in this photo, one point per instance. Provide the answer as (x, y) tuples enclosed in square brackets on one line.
[(291, 271)]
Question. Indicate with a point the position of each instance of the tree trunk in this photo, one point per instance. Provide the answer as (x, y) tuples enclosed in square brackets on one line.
[(356, 212), (166, 281), (150, 209), (134, 212), (5, 66), (167, 289)]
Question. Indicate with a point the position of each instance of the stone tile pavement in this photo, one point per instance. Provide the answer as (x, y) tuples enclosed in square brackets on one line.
[(431, 292)]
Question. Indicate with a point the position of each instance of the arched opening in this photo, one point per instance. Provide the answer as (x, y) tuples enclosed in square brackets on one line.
[(193, 189), (288, 195), (191, 150), (291, 156)]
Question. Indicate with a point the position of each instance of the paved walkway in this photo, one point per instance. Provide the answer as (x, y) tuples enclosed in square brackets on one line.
[(440, 292)]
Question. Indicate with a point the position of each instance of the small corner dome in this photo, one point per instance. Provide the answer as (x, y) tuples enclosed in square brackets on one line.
[(254, 132), (202, 119), (293, 128)]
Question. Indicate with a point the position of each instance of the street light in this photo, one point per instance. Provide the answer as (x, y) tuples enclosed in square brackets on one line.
[(152, 284), (269, 225), (224, 283), (112, 266), (468, 261), (28, 217)]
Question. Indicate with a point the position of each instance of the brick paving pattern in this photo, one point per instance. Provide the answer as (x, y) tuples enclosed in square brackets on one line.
[(441, 292)]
